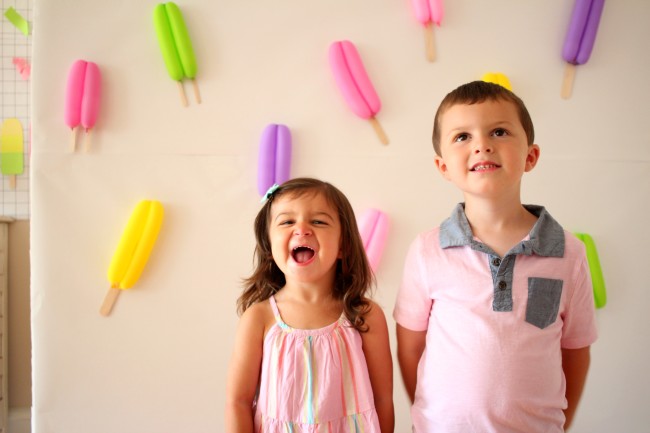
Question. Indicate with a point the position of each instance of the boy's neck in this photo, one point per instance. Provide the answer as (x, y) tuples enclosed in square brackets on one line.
[(499, 224)]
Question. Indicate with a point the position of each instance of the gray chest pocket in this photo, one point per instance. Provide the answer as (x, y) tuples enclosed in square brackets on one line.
[(543, 301)]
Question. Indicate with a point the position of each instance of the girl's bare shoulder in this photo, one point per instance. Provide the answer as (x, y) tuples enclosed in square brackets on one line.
[(375, 314), (259, 315)]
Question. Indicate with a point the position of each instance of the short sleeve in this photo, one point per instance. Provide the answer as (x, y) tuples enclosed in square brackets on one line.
[(413, 305), (580, 318)]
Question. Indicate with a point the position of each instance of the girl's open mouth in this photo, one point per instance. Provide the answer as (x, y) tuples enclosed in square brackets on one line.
[(302, 254)]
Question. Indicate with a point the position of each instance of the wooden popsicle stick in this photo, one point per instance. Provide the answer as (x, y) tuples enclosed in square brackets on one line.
[(12, 181), (87, 140), (430, 42), (567, 82), (74, 139), (197, 94), (379, 130), (109, 301), (182, 92)]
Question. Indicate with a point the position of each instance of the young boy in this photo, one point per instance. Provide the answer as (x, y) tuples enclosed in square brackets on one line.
[(495, 312)]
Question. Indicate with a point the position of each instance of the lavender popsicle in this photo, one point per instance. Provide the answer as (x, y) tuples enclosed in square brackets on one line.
[(580, 39)]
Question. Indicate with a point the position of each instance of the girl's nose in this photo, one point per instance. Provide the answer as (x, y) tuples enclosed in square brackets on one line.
[(302, 229)]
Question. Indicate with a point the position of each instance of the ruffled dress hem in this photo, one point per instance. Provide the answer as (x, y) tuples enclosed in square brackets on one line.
[(365, 422)]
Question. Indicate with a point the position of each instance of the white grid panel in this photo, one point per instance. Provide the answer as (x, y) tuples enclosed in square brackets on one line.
[(16, 100)]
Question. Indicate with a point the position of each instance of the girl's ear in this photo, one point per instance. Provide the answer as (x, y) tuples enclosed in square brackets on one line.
[(441, 166), (532, 157)]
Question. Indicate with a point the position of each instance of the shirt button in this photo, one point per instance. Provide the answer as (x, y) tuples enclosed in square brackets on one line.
[(496, 261), (502, 285)]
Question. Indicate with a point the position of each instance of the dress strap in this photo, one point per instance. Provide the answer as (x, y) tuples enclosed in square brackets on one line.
[(274, 307)]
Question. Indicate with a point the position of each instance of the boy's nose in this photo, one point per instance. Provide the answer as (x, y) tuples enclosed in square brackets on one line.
[(482, 145)]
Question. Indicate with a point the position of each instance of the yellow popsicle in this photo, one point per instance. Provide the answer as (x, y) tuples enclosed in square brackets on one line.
[(497, 78), (133, 250)]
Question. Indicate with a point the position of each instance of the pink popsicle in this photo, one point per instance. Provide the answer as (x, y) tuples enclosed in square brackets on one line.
[(354, 83), (373, 227), (580, 38), (83, 96), (274, 158), (428, 12)]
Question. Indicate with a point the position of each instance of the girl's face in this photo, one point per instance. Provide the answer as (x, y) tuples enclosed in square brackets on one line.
[(305, 235)]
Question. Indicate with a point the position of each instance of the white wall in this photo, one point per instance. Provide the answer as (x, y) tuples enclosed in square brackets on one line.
[(158, 363)]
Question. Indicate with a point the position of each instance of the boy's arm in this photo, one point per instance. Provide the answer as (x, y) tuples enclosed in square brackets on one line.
[(376, 348), (410, 346), (575, 363)]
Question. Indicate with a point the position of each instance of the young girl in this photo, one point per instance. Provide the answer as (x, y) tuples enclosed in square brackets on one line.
[(311, 352)]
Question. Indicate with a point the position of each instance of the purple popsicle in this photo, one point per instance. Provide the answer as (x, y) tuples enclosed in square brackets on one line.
[(582, 31), (580, 39), (274, 158)]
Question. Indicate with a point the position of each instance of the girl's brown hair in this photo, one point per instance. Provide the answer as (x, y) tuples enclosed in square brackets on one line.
[(354, 277)]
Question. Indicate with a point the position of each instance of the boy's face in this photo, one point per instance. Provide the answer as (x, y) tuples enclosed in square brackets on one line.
[(484, 149)]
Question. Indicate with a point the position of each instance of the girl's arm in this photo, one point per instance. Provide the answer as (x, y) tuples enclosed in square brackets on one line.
[(376, 349), (244, 371), (575, 363), (410, 346)]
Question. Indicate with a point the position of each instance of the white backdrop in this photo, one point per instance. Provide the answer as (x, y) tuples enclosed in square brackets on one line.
[(159, 362)]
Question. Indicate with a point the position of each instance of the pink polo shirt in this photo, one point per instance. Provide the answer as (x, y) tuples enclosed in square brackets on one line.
[(495, 326)]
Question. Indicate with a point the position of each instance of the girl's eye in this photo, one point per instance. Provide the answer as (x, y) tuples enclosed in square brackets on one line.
[(319, 222), (286, 222), (461, 137), (500, 132)]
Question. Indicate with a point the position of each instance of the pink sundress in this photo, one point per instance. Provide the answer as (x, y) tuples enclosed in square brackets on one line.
[(314, 381)]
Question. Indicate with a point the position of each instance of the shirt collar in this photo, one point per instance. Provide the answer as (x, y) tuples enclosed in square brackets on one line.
[(545, 239)]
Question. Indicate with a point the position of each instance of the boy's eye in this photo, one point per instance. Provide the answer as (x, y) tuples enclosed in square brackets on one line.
[(500, 132), (461, 137)]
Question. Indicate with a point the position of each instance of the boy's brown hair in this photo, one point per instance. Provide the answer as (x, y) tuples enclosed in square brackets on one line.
[(475, 93)]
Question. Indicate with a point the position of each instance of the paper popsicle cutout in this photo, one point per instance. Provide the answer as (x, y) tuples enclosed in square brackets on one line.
[(82, 99), (428, 13), (11, 150), (355, 85), (23, 67), (274, 161), (373, 227), (17, 20), (176, 47), (133, 250), (580, 38), (597, 280)]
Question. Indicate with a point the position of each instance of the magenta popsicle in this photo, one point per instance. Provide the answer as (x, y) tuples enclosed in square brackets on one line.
[(354, 83), (82, 99), (428, 12), (373, 227), (580, 38), (274, 161)]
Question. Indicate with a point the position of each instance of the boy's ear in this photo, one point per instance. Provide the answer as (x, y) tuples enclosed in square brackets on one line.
[(532, 157), (441, 166)]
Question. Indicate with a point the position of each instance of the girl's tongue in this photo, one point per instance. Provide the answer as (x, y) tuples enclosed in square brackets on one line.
[(302, 254)]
